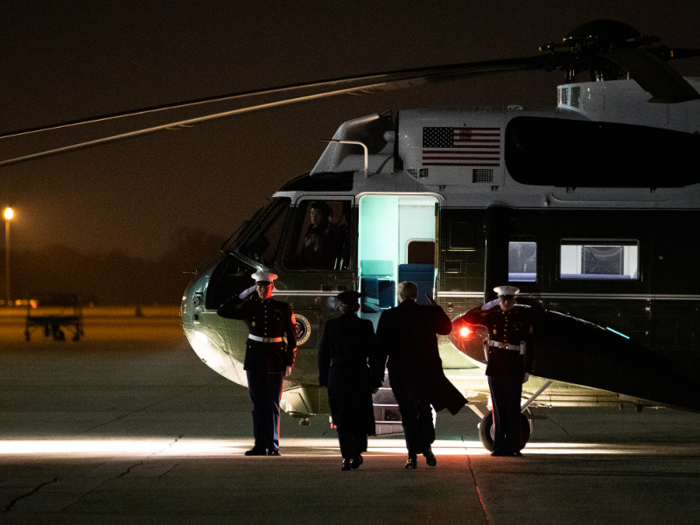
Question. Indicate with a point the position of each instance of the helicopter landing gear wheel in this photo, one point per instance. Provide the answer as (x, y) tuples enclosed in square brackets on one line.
[(487, 431)]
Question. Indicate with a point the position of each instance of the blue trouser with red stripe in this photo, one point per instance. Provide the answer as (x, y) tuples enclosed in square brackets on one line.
[(265, 391), (505, 396)]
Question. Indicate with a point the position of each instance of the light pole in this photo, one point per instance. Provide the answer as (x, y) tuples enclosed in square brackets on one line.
[(8, 214)]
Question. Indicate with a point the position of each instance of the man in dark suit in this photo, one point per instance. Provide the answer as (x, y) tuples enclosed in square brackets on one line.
[(348, 365), (407, 335), (268, 358)]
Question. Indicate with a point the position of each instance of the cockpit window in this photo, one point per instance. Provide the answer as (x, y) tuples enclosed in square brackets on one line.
[(320, 239), (264, 237)]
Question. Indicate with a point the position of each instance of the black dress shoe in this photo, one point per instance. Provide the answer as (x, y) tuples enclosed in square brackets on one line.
[(430, 458), (274, 452), (517, 454), (499, 453), (412, 462), (346, 464), (255, 451), (357, 461)]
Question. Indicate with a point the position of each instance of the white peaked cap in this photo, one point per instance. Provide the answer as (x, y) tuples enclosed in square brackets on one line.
[(506, 290), (264, 277)]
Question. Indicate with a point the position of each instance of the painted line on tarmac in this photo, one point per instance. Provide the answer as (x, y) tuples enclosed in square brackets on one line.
[(478, 492)]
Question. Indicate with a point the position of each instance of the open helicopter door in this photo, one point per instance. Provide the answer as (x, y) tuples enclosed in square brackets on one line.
[(397, 242)]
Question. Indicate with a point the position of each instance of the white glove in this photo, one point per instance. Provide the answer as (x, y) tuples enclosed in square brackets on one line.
[(491, 304), (246, 293)]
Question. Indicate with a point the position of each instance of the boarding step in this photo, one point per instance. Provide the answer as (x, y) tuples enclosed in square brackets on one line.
[(387, 416)]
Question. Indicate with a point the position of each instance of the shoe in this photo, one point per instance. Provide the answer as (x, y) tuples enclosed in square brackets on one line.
[(255, 451), (499, 453), (430, 458), (356, 462), (274, 452), (346, 464), (412, 462), (517, 454)]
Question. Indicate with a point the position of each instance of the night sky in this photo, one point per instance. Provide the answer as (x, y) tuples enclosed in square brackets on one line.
[(65, 60)]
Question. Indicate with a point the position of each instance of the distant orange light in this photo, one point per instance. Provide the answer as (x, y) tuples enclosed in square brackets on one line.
[(465, 332)]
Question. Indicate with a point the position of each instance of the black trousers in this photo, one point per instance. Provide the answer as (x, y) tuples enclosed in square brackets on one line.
[(416, 414), (353, 441), (265, 391), (505, 396)]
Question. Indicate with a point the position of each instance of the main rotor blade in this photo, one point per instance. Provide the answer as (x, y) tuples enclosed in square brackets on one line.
[(654, 75), (285, 96)]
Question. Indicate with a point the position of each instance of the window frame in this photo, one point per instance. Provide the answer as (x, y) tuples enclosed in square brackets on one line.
[(261, 224), (633, 277), (299, 222), (530, 240)]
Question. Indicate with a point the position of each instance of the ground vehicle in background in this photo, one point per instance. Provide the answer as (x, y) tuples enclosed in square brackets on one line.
[(51, 313)]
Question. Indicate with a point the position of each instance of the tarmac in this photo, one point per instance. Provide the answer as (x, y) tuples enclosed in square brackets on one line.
[(128, 426)]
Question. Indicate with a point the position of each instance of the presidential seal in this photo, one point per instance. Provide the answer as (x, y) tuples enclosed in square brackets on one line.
[(303, 328)]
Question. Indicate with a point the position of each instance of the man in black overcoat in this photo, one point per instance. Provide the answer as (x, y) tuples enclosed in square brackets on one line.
[(407, 336), (349, 366), (269, 357)]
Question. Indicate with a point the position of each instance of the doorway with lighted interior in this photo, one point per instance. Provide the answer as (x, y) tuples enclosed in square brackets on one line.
[(397, 242)]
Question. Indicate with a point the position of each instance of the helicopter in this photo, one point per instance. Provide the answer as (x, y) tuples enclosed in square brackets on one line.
[(586, 207), (462, 200)]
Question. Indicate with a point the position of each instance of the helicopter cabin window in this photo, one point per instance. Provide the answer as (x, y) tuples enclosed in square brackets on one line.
[(421, 252), (617, 155), (263, 238), (461, 235), (522, 261), (320, 239), (598, 260)]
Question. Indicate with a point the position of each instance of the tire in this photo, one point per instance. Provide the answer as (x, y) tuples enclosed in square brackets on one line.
[(525, 429), (486, 431)]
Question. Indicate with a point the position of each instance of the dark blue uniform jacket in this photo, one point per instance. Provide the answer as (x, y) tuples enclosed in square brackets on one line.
[(265, 318), (510, 327)]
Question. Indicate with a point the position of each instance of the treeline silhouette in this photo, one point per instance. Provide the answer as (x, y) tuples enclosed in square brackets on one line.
[(112, 278)]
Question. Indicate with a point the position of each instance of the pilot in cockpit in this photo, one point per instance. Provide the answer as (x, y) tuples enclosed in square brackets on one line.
[(320, 242)]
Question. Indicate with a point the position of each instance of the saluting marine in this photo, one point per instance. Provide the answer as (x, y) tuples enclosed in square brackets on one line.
[(509, 329), (268, 358)]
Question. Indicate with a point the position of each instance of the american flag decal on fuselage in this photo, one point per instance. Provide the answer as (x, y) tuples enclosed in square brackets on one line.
[(462, 147)]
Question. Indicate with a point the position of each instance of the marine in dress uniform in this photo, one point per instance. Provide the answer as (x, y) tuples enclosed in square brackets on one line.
[(268, 358), (509, 329), (407, 335), (349, 366)]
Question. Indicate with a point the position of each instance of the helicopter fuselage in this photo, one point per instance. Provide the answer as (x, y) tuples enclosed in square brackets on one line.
[(589, 208)]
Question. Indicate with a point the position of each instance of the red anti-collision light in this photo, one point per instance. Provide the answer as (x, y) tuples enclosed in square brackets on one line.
[(465, 332)]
